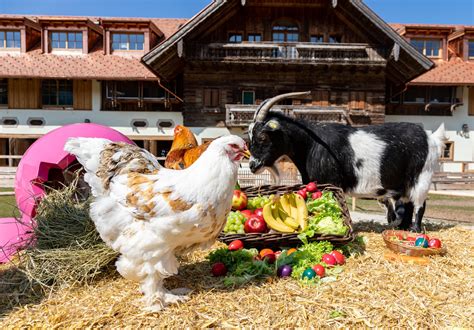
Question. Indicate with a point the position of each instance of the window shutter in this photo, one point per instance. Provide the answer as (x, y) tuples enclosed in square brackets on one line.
[(471, 101), (82, 94)]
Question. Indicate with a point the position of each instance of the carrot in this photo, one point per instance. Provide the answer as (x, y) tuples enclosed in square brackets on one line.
[(391, 256)]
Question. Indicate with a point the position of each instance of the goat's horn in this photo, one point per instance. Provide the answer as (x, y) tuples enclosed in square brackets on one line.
[(262, 111)]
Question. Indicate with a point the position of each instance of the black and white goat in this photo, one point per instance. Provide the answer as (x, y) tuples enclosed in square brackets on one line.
[(394, 160)]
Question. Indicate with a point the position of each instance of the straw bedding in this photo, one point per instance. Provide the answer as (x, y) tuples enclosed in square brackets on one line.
[(370, 292)]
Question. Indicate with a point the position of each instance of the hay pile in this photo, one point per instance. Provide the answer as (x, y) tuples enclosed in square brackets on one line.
[(370, 292), (67, 249)]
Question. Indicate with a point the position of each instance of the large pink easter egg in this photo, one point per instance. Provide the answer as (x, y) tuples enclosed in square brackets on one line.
[(45, 156)]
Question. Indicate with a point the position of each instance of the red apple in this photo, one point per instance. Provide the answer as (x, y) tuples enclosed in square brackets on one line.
[(311, 187), (219, 269), (316, 194), (239, 200), (247, 213), (434, 243), (255, 224), (302, 193), (258, 212)]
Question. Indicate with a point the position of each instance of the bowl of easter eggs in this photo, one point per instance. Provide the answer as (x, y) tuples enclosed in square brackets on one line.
[(413, 244)]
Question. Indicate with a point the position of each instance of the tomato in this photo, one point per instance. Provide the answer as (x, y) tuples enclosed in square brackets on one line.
[(311, 187), (329, 259), (316, 194), (434, 243), (219, 269), (236, 245), (302, 193), (264, 252), (340, 259), (411, 239), (290, 251), (320, 270)]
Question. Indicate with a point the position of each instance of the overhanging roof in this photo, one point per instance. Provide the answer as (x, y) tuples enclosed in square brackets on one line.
[(405, 62)]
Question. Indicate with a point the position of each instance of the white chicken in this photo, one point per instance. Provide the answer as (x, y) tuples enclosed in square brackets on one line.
[(150, 214)]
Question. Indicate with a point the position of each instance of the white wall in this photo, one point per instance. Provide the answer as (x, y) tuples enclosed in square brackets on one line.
[(463, 148), (119, 120)]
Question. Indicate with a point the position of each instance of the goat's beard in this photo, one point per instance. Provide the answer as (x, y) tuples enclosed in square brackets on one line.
[(275, 172)]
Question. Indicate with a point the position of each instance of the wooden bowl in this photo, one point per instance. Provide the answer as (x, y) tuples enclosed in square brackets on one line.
[(404, 248)]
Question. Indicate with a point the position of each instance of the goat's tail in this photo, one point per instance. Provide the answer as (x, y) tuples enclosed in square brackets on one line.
[(437, 141)]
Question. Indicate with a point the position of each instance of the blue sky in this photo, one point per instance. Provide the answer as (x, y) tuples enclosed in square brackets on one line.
[(396, 11)]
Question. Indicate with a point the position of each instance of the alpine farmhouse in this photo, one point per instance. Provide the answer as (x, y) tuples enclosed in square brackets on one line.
[(145, 76)]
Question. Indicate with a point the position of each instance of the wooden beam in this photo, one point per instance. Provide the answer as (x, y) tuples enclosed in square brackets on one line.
[(180, 48)]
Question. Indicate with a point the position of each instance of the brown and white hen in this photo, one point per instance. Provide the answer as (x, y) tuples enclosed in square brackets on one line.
[(150, 214)]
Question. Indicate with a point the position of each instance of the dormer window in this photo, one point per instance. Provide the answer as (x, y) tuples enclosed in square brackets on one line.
[(128, 41), (66, 40), (428, 47), (10, 39), (471, 50)]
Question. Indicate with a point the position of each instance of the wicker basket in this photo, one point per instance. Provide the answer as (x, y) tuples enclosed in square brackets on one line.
[(403, 248), (279, 240)]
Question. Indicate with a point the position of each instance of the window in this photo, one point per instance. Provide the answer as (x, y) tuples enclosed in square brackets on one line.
[(254, 37), (151, 90), (248, 97), (335, 39), (285, 33), (235, 37), (471, 49), (415, 94), (57, 92), (317, 39), (128, 41), (126, 89), (3, 91), (10, 39), (66, 40), (441, 94), (211, 98), (448, 152), (428, 47)]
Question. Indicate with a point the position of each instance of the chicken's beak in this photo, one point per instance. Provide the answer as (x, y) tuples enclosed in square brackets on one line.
[(246, 153)]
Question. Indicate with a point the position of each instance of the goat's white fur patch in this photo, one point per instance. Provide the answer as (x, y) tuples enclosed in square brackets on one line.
[(368, 150), (419, 192)]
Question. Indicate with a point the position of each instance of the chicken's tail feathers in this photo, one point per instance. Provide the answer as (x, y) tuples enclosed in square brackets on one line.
[(87, 151)]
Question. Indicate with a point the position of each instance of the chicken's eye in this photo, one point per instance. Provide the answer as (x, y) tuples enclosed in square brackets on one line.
[(234, 146)]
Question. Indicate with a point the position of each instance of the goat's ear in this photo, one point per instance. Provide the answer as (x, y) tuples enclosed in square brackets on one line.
[(272, 125)]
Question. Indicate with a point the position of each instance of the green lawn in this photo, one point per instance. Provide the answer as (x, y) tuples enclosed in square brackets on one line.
[(8, 205)]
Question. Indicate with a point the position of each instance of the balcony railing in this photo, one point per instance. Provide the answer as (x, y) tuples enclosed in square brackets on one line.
[(238, 115), (284, 52)]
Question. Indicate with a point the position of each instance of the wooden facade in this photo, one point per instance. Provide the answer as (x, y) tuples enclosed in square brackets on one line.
[(236, 54)]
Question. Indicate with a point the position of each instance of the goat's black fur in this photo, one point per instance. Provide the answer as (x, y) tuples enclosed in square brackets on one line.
[(324, 153)]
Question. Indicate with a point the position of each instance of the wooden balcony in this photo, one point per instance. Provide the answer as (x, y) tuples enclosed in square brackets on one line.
[(298, 53), (238, 115)]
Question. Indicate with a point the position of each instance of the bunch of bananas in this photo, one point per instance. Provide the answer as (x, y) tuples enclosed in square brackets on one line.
[(286, 214)]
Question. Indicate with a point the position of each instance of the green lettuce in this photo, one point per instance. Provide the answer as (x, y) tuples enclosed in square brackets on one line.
[(327, 218)]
